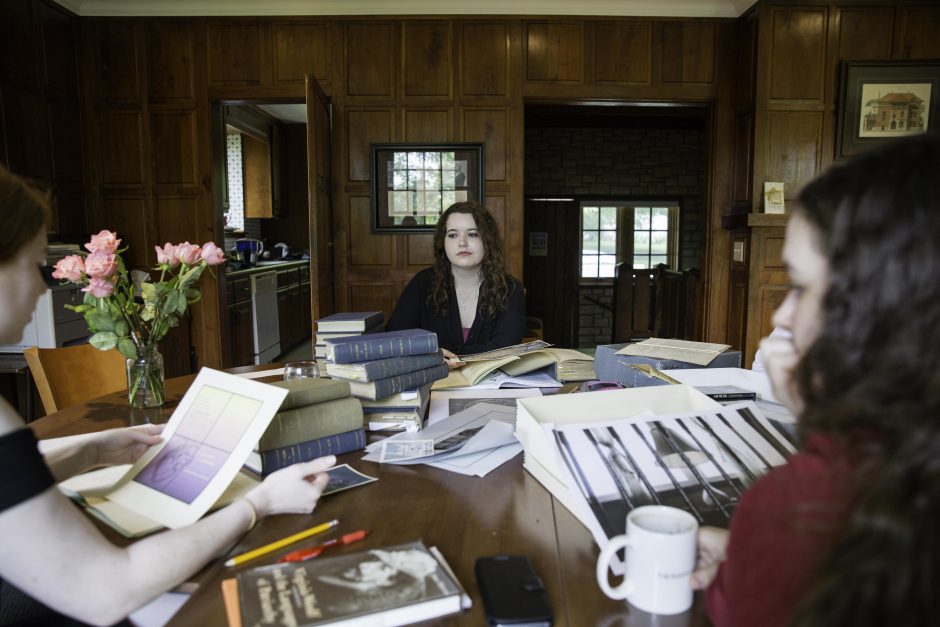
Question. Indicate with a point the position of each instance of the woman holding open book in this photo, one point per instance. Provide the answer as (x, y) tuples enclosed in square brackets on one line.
[(50, 549), (468, 296), (846, 533)]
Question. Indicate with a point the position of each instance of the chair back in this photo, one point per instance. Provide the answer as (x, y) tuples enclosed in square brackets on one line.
[(74, 374)]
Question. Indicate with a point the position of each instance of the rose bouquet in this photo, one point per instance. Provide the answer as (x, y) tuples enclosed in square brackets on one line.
[(125, 310)]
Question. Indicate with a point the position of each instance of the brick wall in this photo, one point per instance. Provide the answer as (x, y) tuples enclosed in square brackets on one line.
[(620, 163)]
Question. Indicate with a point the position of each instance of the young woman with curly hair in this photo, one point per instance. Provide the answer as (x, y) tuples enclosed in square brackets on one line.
[(846, 533), (468, 296)]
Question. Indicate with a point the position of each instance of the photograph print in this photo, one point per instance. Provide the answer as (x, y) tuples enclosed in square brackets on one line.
[(883, 100)]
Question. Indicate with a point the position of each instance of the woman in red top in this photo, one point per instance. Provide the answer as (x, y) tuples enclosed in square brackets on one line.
[(848, 531)]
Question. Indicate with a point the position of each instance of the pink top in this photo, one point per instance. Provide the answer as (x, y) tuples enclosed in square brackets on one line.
[(466, 333)]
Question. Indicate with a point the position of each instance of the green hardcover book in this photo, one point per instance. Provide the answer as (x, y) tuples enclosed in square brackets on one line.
[(311, 422), (302, 392)]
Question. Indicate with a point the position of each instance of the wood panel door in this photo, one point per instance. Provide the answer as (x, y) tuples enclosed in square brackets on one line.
[(551, 268), (319, 190)]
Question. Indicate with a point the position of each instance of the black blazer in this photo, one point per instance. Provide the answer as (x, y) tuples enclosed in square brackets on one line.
[(413, 312)]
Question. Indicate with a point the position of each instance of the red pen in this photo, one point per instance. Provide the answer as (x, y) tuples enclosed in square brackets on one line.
[(305, 554)]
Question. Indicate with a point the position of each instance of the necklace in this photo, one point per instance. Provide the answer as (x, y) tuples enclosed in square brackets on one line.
[(468, 298)]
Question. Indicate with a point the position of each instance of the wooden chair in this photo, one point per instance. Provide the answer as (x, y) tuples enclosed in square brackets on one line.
[(75, 374)]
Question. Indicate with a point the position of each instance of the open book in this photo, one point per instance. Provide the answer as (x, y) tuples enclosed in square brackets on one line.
[(562, 364), (206, 441)]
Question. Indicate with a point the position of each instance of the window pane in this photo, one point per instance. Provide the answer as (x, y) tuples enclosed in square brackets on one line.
[(589, 242), (641, 242), (609, 218), (659, 243), (609, 242), (641, 218), (606, 268), (415, 160), (660, 218), (588, 266), (657, 259), (432, 160), (589, 218), (640, 261)]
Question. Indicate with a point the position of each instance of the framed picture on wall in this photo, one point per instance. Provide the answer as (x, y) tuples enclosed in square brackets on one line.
[(413, 184), (883, 100)]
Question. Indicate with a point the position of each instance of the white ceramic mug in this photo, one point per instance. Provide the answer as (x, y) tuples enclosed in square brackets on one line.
[(660, 556)]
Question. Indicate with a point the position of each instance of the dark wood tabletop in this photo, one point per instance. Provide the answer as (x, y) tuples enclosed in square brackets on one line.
[(506, 512)]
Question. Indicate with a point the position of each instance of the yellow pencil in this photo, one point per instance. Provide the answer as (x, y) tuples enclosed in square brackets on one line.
[(274, 546)]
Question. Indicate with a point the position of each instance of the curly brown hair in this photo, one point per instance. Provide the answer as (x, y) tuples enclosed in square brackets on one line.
[(25, 211), (494, 287), (872, 380)]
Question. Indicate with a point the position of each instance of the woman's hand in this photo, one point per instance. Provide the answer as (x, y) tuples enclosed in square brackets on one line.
[(712, 550), (780, 360), (453, 361), (292, 490), (122, 446)]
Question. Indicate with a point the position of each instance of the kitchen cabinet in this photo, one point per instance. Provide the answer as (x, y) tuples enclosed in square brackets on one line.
[(241, 339), (262, 143)]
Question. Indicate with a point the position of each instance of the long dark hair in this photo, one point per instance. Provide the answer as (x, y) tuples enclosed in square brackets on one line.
[(25, 211), (872, 380), (494, 288)]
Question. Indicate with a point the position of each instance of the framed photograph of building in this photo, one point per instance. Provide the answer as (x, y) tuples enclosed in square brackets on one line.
[(413, 184), (883, 100)]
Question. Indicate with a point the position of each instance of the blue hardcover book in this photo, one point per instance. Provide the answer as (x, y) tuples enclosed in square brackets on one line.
[(355, 349), (352, 321), (278, 458), (383, 368), (381, 388)]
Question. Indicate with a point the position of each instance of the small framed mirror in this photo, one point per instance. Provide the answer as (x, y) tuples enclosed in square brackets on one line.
[(413, 184)]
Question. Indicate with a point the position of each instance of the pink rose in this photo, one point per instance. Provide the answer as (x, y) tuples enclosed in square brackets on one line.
[(103, 242), (69, 268), (167, 255), (188, 253), (99, 288), (100, 265), (212, 254)]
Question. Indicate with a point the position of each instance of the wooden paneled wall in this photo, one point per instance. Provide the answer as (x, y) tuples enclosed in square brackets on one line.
[(148, 150), (799, 47), (149, 84), (40, 114)]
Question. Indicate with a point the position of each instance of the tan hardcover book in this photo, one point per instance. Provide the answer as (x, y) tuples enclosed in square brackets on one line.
[(301, 392), (312, 422)]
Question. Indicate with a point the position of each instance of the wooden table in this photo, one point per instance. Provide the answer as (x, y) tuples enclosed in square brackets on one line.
[(507, 512)]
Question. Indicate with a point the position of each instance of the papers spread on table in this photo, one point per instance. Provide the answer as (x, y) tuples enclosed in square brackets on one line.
[(560, 364), (447, 402), (471, 442), (752, 380), (701, 353), (206, 441)]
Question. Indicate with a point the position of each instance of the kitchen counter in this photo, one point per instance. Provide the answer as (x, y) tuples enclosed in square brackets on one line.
[(268, 265)]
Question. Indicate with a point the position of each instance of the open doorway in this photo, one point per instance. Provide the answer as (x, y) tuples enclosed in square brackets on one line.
[(581, 159)]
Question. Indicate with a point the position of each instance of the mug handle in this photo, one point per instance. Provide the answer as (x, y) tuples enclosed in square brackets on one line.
[(603, 564)]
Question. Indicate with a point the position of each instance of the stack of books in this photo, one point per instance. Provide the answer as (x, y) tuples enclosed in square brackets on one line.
[(345, 324), (398, 412), (379, 365), (319, 417)]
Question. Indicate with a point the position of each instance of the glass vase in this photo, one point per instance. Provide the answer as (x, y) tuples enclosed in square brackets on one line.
[(145, 386)]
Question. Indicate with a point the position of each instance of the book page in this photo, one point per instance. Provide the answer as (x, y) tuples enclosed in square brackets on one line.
[(206, 441), (700, 353)]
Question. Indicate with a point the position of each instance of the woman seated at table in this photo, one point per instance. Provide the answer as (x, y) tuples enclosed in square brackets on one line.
[(468, 296), (50, 549), (846, 533)]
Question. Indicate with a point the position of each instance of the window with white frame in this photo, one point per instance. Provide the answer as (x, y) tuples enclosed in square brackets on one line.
[(643, 233)]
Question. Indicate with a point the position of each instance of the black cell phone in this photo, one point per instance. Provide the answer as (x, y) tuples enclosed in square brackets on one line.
[(512, 593)]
